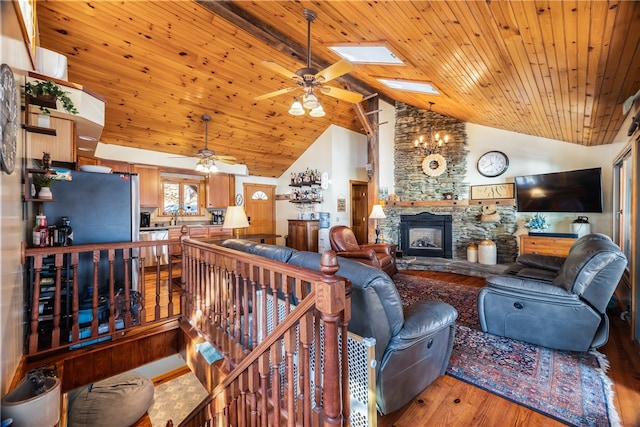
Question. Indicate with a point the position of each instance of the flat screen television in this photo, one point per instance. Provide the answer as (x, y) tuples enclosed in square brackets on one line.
[(570, 191)]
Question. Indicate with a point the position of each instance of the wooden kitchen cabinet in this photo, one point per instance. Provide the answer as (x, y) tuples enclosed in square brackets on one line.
[(303, 234), (149, 180), (221, 190), (61, 146), (115, 166), (543, 245)]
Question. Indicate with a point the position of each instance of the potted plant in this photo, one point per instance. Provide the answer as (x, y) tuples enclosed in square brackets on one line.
[(47, 89), (43, 183), (537, 223)]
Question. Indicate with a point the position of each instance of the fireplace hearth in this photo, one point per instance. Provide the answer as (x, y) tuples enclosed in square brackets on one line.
[(426, 235)]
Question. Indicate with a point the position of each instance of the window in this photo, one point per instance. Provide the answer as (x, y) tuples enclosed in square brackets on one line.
[(181, 195), (259, 195)]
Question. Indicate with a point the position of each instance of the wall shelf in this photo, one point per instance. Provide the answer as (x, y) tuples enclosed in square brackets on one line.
[(38, 129), (26, 196), (446, 203)]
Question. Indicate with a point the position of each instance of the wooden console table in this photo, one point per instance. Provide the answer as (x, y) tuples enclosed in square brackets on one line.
[(543, 245)]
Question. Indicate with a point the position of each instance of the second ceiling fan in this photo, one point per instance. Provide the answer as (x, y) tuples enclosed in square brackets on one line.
[(310, 79)]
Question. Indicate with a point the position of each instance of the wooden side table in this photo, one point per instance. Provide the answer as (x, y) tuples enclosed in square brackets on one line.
[(543, 245)]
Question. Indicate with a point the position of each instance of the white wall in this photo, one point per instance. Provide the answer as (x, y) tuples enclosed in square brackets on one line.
[(527, 155), (343, 155), (12, 52), (533, 155)]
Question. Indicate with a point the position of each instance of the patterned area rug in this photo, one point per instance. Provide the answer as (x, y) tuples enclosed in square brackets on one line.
[(570, 387), (175, 399)]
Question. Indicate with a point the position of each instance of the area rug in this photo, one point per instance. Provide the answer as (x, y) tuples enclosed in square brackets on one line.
[(570, 387), (175, 399)]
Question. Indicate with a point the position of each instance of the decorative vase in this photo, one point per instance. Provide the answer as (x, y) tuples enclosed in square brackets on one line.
[(45, 193), (472, 252), (487, 252)]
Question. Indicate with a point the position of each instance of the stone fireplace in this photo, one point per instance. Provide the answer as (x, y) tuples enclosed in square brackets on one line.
[(426, 234), (418, 195)]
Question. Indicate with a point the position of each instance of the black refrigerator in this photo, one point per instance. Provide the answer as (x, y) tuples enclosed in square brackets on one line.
[(102, 208)]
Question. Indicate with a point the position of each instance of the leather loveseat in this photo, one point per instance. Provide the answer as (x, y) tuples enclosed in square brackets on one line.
[(553, 301), (413, 345)]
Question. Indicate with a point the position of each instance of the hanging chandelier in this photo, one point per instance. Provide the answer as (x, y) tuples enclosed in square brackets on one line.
[(434, 164)]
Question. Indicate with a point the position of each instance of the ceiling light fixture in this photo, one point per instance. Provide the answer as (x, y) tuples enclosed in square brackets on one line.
[(206, 165), (296, 108), (317, 112), (310, 100)]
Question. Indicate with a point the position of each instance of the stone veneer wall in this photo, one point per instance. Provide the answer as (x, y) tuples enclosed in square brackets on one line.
[(412, 184)]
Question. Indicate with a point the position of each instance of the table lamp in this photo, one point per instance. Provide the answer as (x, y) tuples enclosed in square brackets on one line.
[(377, 213), (236, 219)]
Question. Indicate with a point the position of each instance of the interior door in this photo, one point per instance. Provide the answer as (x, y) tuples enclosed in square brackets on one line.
[(260, 205), (359, 223)]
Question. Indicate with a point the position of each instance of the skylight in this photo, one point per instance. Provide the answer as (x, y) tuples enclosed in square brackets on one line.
[(411, 86), (367, 54)]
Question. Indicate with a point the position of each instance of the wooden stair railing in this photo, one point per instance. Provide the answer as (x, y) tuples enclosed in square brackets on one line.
[(53, 283), (293, 371)]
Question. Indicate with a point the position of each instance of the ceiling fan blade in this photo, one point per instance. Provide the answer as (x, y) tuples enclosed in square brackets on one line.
[(226, 160), (345, 95), (280, 69), (275, 93), (333, 71)]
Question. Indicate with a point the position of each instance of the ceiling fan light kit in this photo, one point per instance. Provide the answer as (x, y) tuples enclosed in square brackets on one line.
[(317, 112), (309, 78), (207, 161), (296, 108)]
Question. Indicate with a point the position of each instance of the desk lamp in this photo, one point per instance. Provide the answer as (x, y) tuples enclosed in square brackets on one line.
[(377, 213), (236, 219)]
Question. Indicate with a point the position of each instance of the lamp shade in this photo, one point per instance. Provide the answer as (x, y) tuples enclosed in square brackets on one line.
[(296, 108), (235, 218), (310, 101), (377, 212)]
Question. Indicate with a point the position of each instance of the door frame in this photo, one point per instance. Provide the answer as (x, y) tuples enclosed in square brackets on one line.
[(352, 185)]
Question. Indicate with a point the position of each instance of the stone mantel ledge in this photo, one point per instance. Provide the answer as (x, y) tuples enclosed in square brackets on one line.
[(451, 203)]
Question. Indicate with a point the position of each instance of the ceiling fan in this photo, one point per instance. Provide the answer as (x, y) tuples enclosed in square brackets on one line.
[(311, 79), (207, 160)]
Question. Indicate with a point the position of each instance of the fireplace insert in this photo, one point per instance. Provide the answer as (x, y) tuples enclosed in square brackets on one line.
[(426, 235)]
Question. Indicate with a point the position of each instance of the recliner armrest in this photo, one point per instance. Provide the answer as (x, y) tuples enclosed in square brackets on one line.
[(378, 247), (363, 253), (545, 262), (422, 319)]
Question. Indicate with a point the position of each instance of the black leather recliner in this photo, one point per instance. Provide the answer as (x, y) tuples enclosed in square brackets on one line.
[(413, 345), (553, 301)]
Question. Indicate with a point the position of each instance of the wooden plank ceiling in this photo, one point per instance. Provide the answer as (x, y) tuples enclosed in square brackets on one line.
[(554, 69)]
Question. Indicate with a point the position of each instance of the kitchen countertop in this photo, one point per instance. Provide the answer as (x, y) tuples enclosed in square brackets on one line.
[(160, 226)]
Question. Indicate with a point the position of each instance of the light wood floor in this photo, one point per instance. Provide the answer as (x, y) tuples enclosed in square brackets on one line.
[(451, 402)]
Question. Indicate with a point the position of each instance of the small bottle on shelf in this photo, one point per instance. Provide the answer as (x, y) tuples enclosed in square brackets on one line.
[(41, 232), (65, 232)]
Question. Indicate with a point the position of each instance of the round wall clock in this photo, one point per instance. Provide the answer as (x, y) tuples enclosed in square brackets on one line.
[(493, 163), (8, 118), (239, 200)]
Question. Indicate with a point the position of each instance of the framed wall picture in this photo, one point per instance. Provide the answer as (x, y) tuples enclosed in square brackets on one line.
[(342, 205), (26, 11), (492, 191)]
